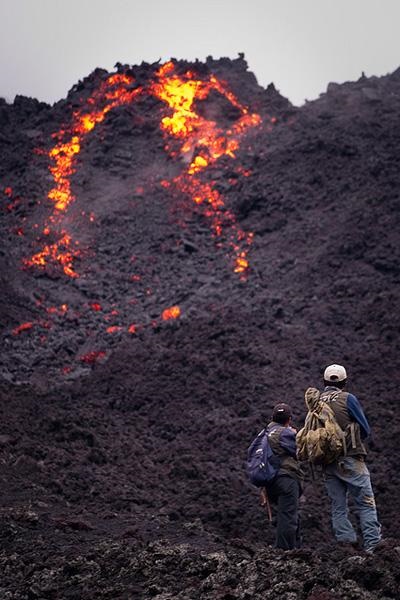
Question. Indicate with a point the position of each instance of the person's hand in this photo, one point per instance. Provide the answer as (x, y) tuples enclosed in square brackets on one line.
[(263, 498)]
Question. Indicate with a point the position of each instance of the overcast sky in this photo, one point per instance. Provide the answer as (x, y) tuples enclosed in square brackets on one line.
[(46, 46)]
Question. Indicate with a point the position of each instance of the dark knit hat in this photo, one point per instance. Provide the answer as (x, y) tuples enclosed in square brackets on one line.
[(281, 413)]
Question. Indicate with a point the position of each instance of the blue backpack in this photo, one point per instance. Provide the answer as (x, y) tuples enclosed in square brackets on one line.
[(262, 464)]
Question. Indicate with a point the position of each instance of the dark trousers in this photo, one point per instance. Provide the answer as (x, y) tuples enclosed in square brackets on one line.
[(285, 492)]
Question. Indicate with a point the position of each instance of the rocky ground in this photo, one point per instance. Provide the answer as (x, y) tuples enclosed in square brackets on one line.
[(123, 433)]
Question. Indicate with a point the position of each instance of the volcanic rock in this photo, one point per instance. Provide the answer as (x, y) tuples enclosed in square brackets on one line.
[(166, 278)]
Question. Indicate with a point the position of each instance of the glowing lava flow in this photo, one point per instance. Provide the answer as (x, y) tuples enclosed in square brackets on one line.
[(113, 92), (212, 142), (203, 143)]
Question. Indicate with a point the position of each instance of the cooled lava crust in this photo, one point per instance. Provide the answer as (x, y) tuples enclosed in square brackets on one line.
[(182, 249)]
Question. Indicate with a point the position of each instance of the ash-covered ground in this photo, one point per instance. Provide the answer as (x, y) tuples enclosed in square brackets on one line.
[(181, 249)]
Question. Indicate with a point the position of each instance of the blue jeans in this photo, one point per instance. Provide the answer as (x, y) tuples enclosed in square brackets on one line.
[(350, 475)]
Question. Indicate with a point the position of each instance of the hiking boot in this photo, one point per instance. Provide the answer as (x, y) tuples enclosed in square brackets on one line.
[(381, 545)]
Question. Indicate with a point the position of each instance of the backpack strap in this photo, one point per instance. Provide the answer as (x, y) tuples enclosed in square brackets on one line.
[(344, 442), (351, 427), (353, 435), (329, 396)]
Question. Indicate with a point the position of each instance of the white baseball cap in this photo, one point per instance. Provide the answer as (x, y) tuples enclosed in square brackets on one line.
[(335, 373)]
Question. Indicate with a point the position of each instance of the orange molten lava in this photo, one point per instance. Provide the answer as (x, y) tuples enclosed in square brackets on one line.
[(55, 310), (114, 91), (59, 252), (198, 133), (202, 142), (241, 263), (171, 313)]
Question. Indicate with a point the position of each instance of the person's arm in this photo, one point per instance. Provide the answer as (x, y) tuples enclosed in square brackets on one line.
[(357, 413), (287, 440)]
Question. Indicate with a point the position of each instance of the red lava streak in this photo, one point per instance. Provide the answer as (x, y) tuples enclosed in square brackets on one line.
[(113, 329), (171, 313), (91, 357), (95, 306), (22, 327), (202, 143)]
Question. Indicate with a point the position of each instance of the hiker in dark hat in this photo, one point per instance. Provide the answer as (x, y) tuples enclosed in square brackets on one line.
[(349, 475), (285, 489)]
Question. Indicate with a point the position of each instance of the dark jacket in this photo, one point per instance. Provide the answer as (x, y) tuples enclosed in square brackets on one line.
[(283, 443), (350, 417)]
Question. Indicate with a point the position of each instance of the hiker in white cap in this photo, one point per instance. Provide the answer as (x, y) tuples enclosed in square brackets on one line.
[(349, 474)]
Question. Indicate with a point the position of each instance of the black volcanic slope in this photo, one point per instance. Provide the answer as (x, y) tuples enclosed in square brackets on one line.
[(123, 434)]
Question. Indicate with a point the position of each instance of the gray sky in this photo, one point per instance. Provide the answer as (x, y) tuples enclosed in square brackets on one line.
[(46, 46)]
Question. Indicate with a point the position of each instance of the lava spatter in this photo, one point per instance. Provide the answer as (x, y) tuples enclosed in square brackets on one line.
[(60, 252), (173, 312)]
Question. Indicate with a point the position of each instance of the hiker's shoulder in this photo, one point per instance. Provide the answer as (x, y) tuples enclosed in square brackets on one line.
[(274, 429), (351, 397), (353, 403), (275, 426)]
